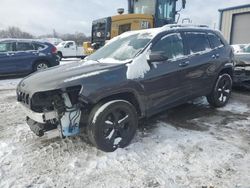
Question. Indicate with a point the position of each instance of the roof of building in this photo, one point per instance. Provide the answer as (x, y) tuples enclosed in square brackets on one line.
[(235, 7)]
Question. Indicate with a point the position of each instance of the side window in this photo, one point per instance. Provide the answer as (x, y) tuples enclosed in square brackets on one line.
[(69, 44), (215, 41), (197, 42), (171, 45), (38, 46), (24, 46), (6, 47)]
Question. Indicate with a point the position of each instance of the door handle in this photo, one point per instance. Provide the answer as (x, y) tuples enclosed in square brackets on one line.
[(184, 64), (215, 56), (10, 54)]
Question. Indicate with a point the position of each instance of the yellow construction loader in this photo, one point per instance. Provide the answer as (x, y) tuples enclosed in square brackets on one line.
[(142, 14)]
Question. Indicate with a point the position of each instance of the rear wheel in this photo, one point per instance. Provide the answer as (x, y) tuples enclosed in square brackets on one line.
[(60, 55), (112, 125), (222, 90), (41, 66)]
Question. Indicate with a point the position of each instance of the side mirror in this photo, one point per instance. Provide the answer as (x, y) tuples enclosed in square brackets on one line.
[(157, 57), (184, 4), (94, 46)]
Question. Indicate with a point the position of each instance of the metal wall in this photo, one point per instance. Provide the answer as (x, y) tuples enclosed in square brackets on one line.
[(227, 21)]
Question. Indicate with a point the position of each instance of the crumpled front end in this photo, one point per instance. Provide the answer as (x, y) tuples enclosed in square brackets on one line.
[(48, 110), (242, 76)]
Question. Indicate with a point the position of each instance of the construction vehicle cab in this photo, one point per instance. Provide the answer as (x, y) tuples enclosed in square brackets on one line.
[(142, 14)]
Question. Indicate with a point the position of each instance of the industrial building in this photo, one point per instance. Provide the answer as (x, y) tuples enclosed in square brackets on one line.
[(235, 24)]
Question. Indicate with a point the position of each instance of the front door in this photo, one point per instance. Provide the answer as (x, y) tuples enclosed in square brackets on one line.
[(165, 83), (24, 56), (7, 65), (69, 49)]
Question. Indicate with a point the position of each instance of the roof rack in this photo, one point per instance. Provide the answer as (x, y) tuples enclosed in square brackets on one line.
[(187, 25)]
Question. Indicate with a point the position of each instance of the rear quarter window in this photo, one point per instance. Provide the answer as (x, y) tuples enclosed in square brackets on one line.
[(197, 42), (215, 41), (38, 46)]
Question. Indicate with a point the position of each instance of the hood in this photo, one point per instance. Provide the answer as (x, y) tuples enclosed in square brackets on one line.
[(63, 76)]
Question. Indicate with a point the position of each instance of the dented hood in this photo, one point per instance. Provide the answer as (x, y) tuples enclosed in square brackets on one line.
[(63, 76)]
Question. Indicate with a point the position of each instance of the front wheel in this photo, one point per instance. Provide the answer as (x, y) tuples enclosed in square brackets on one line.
[(222, 90), (112, 125)]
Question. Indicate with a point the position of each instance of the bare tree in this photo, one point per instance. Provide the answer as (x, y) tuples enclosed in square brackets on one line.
[(15, 32)]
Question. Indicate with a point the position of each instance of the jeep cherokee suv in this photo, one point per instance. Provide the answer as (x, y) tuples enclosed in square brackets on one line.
[(135, 75)]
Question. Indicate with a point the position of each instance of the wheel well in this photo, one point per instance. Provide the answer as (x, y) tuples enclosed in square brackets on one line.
[(127, 96), (39, 61), (227, 71), (59, 52)]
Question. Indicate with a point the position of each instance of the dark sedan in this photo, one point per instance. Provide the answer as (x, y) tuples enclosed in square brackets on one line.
[(20, 56)]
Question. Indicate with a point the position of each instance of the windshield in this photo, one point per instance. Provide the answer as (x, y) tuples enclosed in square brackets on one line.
[(144, 7), (122, 48)]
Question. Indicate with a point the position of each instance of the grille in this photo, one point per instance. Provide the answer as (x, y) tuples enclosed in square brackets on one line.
[(23, 97)]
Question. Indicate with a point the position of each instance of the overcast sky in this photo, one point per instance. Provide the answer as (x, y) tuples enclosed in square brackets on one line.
[(69, 16)]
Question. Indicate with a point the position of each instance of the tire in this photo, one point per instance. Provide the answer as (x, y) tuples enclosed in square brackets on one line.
[(222, 90), (60, 55), (41, 65), (112, 125)]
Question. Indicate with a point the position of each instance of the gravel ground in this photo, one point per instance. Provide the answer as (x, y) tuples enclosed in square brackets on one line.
[(192, 145)]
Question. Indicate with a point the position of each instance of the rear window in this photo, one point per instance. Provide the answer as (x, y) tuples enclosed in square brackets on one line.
[(197, 42), (215, 41), (6, 47), (24, 46)]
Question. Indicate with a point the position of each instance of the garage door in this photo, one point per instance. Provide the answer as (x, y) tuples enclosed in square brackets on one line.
[(241, 29)]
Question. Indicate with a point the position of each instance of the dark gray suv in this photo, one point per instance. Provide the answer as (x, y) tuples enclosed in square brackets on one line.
[(135, 75)]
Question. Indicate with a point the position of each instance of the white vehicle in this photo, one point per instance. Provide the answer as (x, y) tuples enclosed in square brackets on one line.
[(68, 49)]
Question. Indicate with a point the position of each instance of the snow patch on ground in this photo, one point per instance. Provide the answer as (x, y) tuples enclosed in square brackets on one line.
[(236, 107), (162, 154), (9, 84)]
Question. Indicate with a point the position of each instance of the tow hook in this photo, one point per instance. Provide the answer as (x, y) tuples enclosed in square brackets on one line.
[(70, 121)]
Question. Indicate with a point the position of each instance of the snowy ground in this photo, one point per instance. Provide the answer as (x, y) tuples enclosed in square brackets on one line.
[(189, 146)]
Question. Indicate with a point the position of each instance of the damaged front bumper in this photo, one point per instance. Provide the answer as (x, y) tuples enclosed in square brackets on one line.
[(242, 76), (39, 117), (65, 118)]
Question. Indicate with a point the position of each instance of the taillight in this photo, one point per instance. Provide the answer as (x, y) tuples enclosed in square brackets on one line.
[(54, 50)]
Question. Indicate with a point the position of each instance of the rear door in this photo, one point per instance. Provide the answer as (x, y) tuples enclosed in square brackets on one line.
[(25, 56), (202, 60), (7, 65), (165, 83)]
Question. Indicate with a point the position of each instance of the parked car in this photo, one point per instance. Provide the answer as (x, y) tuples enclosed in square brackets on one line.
[(242, 66), (19, 56), (135, 75), (69, 49)]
